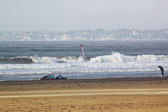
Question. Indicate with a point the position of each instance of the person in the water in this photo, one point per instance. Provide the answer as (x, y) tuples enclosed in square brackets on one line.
[(162, 70)]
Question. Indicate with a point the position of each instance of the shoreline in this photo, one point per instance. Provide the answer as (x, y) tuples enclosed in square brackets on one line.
[(86, 80), (69, 84)]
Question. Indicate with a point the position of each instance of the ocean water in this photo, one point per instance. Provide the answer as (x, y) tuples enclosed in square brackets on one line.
[(105, 59)]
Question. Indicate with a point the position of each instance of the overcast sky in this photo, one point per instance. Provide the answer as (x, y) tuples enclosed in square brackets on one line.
[(83, 14)]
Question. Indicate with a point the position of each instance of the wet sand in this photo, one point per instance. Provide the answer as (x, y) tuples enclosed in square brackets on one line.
[(85, 95)]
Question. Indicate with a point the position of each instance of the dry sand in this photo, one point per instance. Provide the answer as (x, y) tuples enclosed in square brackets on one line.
[(89, 95)]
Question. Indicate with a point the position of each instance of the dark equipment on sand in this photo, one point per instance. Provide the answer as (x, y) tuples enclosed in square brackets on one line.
[(60, 77), (52, 77), (162, 70)]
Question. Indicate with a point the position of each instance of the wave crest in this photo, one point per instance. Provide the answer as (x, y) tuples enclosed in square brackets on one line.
[(17, 60), (115, 57), (64, 59)]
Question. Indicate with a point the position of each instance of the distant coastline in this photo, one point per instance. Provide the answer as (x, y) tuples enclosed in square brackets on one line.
[(87, 35)]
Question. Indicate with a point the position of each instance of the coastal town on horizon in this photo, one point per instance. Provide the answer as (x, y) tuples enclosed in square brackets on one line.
[(86, 35)]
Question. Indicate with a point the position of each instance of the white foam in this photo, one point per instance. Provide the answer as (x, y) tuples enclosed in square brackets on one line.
[(57, 59), (115, 62), (117, 57), (151, 58), (113, 58)]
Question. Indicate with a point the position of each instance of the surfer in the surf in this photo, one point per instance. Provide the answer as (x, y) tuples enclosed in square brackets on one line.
[(161, 70)]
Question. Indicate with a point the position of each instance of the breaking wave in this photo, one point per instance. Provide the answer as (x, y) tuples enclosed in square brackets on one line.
[(16, 60), (117, 57), (77, 66), (35, 59), (113, 58)]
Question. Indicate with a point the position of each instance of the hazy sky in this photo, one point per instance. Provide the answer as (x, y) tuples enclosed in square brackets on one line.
[(83, 14)]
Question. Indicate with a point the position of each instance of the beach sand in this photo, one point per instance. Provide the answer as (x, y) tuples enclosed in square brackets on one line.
[(85, 95)]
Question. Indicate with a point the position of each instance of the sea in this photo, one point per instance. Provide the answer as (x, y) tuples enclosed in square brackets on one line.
[(31, 60)]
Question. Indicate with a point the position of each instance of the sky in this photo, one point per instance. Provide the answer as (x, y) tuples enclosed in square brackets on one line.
[(63, 15)]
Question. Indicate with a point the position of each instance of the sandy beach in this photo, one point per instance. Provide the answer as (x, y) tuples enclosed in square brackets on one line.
[(85, 95)]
